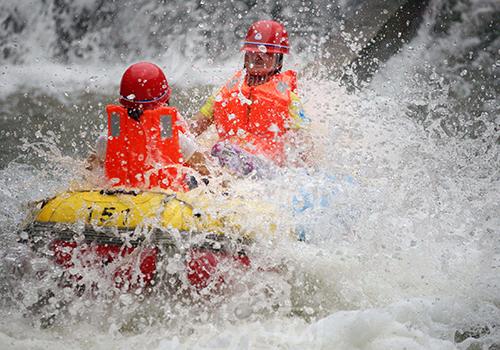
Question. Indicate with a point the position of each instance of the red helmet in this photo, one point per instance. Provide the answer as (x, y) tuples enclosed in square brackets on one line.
[(266, 36), (144, 86)]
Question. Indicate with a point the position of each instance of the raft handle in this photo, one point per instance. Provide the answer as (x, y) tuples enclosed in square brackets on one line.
[(119, 191)]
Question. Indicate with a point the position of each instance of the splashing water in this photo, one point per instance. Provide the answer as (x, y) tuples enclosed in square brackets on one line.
[(399, 217)]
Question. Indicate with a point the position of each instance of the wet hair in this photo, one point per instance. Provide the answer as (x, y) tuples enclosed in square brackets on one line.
[(135, 113)]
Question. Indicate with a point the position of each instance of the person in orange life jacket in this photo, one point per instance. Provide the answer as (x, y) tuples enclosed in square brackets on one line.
[(257, 114), (147, 140)]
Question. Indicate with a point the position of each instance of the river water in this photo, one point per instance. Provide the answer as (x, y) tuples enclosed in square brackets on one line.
[(400, 210)]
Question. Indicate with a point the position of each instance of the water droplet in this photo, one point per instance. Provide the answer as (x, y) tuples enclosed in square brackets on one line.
[(274, 128)]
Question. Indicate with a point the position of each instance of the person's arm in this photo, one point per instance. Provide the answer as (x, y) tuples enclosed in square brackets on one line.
[(204, 118), (298, 118), (198, 162), (200, 123), (96, 158), (190, 154), (299, 135)]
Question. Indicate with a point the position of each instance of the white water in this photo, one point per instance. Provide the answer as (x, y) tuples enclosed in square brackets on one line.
[(402, 246)]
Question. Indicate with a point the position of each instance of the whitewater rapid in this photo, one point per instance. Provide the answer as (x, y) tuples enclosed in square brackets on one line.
[(402, 245), (401, 251)]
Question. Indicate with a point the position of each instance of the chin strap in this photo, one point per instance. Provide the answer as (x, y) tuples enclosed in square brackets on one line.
[(255, 80)]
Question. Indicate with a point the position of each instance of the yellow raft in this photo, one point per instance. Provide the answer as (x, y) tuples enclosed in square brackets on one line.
[(121, 209), (131, 217)]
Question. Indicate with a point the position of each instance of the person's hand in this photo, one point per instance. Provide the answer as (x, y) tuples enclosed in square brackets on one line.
[(93, 162), (198, 163), (199, 123)]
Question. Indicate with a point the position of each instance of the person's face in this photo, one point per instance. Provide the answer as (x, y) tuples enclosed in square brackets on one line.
[(260, 63)]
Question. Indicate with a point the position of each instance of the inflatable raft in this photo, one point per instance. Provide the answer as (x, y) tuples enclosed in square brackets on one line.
[(98, 227)]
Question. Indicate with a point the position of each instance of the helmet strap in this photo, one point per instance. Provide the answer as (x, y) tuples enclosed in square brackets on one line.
[(279, 63)]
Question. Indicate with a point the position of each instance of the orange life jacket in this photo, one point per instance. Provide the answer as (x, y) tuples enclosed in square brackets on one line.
[(256, 117), (144, 153)]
